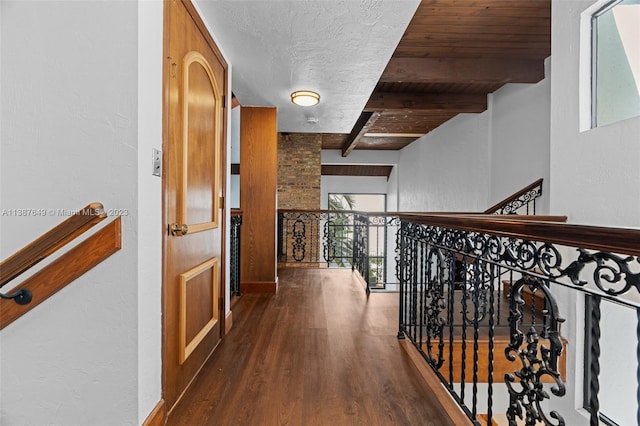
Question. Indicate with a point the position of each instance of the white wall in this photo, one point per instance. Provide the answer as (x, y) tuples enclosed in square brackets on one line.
[(361, 184), (69, 137), (519, 138), (594, 173), (447, 169), (475, 160), (350, 185), (150, 226), (234, 148)]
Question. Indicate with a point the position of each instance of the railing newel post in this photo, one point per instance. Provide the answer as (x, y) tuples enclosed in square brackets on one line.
[(401, 279)]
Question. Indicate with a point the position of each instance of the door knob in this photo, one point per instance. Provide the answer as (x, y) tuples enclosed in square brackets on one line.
[(178, 230)]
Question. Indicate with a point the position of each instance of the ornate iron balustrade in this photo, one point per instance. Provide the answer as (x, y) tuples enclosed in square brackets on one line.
[(341, 239), (453, 273), (521, 202), (236, 226)]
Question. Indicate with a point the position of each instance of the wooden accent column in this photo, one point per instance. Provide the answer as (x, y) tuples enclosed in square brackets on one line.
[(258, 190)]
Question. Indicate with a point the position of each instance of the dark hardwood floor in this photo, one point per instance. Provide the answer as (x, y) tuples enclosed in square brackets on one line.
[(319, 352)]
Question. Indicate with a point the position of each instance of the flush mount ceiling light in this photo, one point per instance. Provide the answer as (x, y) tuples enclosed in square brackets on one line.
[(305, 98)]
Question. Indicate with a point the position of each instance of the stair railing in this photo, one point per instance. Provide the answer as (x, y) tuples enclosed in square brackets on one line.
[(486, 348), (520, 202)]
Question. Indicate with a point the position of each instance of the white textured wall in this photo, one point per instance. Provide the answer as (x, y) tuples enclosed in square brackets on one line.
[(520, 140), (69, 137), (594, 173), (447, 169), (475, 160), (360, 184), (350, 185), (150, 226)]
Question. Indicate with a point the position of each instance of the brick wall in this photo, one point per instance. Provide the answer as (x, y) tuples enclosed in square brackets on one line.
[(299, 171)]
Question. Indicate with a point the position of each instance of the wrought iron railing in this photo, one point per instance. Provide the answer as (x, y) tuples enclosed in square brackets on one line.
[(236, 227), (521, 202), (498, 353), (365, 242)]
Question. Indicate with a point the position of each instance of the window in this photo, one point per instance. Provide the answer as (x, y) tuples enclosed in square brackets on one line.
[(342, 233), (615, 68)]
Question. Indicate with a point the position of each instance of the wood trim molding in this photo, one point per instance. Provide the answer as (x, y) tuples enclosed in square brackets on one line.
[(64, 270), (228, 322), (449, 405), (157, 416), (259, 286), (191, 9), (186, 348)]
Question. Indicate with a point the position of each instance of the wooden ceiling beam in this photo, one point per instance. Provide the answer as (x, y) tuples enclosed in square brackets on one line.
[(494, 21), (463, 70), (356, 170), (364, 122), (427, 102), (540, 9)]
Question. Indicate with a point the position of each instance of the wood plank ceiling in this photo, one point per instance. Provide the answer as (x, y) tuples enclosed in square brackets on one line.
[(452, 55)]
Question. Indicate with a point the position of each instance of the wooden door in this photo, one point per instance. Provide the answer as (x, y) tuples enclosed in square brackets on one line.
[(195, 84)]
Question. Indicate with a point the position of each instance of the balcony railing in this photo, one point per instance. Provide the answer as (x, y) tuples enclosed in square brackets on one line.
[(236, 227), (485, 300), (365, 242)]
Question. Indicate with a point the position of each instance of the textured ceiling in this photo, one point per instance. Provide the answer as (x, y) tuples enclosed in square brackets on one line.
[(338, 48)]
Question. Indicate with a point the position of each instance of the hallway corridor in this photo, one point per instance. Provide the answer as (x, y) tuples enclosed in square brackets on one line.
[(319, 352)]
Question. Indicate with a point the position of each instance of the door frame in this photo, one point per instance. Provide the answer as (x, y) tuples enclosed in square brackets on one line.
[(166, 76)]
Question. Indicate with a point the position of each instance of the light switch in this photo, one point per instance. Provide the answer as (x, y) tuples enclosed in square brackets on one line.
[(157, 162)]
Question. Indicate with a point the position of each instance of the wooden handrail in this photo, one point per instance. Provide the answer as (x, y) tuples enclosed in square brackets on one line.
[(62, 271), (513, 197), (556, 218), (50, 242), (615, 240)]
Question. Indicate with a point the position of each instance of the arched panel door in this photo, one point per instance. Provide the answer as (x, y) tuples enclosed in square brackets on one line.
[(194, 132)]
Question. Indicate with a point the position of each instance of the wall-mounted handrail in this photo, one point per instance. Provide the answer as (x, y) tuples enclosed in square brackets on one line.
[(529, 194), (51, 241), (65, 269)]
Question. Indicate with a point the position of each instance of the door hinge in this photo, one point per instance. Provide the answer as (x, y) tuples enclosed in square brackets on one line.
[(222, 202), (224, 101), (172, 67)]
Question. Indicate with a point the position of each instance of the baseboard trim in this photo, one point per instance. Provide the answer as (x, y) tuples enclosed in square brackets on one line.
[(228, 322), (259, 286), (449, 405), (158, 415)]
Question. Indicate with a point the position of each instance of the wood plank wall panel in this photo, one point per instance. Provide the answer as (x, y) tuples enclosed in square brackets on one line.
[(64, 270), (258, 183)]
